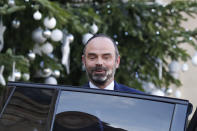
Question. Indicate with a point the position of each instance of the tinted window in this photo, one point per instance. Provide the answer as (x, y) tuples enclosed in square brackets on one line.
[(4, 96), (27, 110), (88, 112)]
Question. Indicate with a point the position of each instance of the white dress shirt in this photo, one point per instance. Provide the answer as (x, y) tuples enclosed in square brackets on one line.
[(109, 87)]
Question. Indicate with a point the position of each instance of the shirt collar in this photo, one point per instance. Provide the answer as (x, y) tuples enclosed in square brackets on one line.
[(109, 87)]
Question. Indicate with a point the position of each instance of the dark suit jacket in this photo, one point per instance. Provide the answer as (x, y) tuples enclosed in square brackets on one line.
[(119, 87)]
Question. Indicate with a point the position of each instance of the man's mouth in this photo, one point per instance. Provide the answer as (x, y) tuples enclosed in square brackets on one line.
[(99, 71)]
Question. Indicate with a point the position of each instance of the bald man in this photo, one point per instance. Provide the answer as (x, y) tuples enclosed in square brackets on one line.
[(101, 59)]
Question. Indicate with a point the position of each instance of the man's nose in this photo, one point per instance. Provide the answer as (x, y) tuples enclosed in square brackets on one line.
[(99, 61)]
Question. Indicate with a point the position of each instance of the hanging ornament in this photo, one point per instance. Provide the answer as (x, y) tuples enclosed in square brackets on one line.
[(32, 56), (56, 73), (2, 30), (108, 6), (158, 92), (174, 66), (37, 49), (178, 93), (16, 23), (12, 77), (49, 23), (11, 3), (97, 12), (194, 60), (42, 64), (2, 79), (47, 48), (153, 10), (26, 76), (163, 2), (115, 36), (17, 75), (37, 35), (169, 91), (37, 15), (109, 11), (50, 80), (175, 75), (125, 1), (86, 37), (148, 86), (56, 35), (47, 33), (185, 67), (126, 33), (47, 72), (66, 51), (94, 29)]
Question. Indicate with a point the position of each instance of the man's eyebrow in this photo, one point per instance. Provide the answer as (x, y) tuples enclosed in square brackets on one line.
[(107, 54), (91, 53)]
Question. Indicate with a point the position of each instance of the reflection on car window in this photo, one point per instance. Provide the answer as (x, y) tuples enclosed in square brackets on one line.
[(27, 110), (85, 111)]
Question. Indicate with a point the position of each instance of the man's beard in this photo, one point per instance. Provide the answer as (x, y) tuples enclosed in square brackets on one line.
[(100, 79)]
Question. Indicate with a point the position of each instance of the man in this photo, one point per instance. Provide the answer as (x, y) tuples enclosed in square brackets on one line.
[(101, 59)]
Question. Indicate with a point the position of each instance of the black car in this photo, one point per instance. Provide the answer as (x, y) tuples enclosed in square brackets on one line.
[(41, 107)]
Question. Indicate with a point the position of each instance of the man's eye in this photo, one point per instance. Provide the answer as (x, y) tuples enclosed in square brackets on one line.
[(106, 57), (92, 58)]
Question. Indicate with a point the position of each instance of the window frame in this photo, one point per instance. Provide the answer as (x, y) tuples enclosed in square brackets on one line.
[(182, 107)]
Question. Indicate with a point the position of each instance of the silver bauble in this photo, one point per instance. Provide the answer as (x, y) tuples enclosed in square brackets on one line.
[(70, 37), (47, 48), (26, 76), (86, 37), (11, 3), (158, 92), (16, 24), (56, 73), (94, 29), (32, 56), (47, 33), (50, 80), (178, 94), (169, 91), (174, 66), (37, 15), (56, 35), (49, 23), (194, 60), (17, 75), (185, 67), (37, 36), (47, 72)]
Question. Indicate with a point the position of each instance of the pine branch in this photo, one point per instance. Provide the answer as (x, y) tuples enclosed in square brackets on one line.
[(6, 10)]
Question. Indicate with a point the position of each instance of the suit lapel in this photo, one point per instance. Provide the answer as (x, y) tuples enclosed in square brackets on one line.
[(116, 86)]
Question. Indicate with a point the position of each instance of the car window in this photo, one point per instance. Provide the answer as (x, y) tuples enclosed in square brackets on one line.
[(91, 112), (27, 110)]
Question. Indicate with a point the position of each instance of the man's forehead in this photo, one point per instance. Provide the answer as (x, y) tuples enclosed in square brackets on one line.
[(100, 42)]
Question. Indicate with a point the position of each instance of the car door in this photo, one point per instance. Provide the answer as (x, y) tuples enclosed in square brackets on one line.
[(193, 122)]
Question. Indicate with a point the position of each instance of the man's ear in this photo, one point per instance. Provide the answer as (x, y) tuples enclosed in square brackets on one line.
[(118, 62), (83, 59)]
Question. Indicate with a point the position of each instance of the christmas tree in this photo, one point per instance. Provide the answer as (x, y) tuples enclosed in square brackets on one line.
[(42, 41)]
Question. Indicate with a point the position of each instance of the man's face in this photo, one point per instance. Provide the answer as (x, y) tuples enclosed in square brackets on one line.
[(100, 60)]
